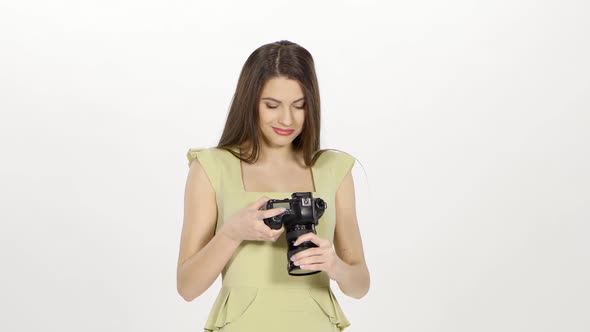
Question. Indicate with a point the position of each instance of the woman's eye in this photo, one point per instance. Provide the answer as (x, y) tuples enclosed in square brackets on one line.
[(273, 107)]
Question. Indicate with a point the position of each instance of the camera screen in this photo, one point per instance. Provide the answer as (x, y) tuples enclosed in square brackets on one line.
[(285, 205)]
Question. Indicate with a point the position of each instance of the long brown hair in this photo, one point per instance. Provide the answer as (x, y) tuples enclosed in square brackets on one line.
[(279, 59)]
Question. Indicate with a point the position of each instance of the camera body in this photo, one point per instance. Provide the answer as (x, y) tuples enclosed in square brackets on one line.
[(301, 216)]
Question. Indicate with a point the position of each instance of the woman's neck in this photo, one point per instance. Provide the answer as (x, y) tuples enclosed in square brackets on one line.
[(274, 155)]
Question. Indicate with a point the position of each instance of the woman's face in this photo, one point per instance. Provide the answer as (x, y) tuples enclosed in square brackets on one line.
[(282, 106)]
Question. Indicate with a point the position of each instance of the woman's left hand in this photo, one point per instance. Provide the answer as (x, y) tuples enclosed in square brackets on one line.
[(322, 258)]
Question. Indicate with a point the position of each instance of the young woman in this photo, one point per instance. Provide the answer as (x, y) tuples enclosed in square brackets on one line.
[(270, 149)]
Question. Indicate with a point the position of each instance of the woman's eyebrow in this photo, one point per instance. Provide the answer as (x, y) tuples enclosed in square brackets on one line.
[(278, 101)]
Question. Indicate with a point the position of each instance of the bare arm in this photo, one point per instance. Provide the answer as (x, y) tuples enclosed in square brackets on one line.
[(203, 254), (351, 270)]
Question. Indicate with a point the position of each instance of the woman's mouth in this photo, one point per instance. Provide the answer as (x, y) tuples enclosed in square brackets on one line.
[(283, 132)]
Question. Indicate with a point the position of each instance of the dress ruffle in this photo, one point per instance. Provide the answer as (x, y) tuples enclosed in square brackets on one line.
[(327, 301), (232, 302), (192, 154)]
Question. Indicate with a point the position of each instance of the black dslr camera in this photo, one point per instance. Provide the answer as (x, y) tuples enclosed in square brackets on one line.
[(301, 216)]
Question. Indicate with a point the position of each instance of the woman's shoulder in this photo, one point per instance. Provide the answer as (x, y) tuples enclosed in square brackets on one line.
[(334, 164), (213, 161), (335, 156), (199, 154), (209, 154)]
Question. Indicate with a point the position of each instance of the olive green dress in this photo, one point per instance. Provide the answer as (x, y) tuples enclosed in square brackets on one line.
[(257, 293)]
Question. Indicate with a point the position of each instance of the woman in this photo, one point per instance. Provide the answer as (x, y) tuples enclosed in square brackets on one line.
[(270, 149)]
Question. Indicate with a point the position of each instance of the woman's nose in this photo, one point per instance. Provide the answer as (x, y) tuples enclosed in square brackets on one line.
[(286, 118)]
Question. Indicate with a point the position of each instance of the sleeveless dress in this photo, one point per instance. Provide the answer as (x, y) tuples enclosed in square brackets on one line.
[(257, 293)]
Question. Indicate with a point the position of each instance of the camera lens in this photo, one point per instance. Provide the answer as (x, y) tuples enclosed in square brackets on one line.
[(294, 232)]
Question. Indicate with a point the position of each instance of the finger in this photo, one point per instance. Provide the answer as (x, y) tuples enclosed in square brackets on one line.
[(270, 234), (314, 267), (307, 253), (278, 233), (263, 231), (261, 202), (272, 212), (308, 237), (310, 260), (267, 233), (280, 230)]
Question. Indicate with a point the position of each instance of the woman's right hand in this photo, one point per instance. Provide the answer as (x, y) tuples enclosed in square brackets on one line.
[(248, 223)]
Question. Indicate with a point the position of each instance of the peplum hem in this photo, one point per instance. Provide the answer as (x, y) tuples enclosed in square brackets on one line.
[(330, 306), (233, 302), (230, 304)]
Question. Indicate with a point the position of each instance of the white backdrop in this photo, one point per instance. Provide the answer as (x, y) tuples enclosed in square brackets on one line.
[(471, 120)]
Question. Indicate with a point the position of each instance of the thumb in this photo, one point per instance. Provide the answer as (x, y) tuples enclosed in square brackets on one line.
[(261, 202)]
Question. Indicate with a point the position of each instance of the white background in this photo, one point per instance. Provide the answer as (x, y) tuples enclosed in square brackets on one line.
[(471, 120)]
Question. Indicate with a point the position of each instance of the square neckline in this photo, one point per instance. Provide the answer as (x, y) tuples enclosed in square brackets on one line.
[(243, 188)]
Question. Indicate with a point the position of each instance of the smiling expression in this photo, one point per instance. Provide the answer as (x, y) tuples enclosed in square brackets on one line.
[(281, 106)]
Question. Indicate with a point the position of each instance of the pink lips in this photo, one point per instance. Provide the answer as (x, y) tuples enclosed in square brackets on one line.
[(283, 132)]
